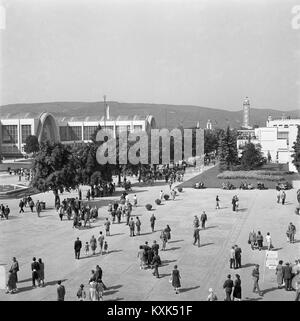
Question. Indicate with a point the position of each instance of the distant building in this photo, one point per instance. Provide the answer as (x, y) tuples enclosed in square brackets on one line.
[(276, 139), (246, 113), (68, 130)]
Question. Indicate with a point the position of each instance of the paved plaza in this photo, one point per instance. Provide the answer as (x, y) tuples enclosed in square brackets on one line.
[(25, 236)]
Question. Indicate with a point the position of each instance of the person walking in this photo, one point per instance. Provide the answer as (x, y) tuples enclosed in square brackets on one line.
[(168, 232), (217, 203), (283, 197), (101, 241), (252, 239), (41, 273), (260, 240), (138, 226), (161, 195), (77, 248), (131, 227), (232, 258), (14, 269), (196, 222), (61, 212), (197, 236), (31, 205), (203, 219), (34, 268), (93, 244), (134, 200), (93, 295), (81, 294), (212, 296), (164, 239), (175, 279), (21, 205), (228, 285), (61, 291), (107, 227), (287, 276), (297, 296), (238, 257), (141, 257), (87, 248), (155, 264), (279, 274), (38, 208), (291, 231), (269, 241), (237, 291), (278, 195), (255, 276), (152, 222)]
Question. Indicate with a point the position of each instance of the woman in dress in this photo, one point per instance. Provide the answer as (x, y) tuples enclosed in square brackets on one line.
[(11, 283), (176, 279), (279, 274), (168, 232), (237, 291), (93, 243), (93, 291), (41, 273), (269, 241)]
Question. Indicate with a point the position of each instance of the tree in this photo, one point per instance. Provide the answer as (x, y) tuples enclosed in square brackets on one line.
[(252, 157), (296, 155), (31, 144), (54, 168), (228, 153)]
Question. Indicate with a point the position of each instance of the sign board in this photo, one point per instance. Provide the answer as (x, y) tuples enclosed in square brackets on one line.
[(2, 278), (271, 259)]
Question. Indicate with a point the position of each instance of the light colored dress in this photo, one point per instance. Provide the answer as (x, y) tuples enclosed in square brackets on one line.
[(93, 291)]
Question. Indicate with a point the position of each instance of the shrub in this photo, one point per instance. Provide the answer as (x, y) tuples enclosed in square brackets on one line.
[(166, 197), (148, 207), (250, 174), (179, 189), (158, 201)]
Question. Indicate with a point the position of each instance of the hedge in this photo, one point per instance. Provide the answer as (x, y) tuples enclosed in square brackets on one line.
[(158, 201), (250, 175), (166, 197), (148, 207)]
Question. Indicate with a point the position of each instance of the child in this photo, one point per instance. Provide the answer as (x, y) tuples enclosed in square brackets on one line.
[(81, 294), (105, 248), (87, 248)]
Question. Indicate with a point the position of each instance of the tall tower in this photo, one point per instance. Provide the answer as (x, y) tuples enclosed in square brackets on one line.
[(246, 112)]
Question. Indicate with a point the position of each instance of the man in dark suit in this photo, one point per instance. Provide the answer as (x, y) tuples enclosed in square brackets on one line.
[(77, 248), (34, 268), (287, 276), (238, 257), (155, 247), (61, 291), (228, 285), (155, 264)]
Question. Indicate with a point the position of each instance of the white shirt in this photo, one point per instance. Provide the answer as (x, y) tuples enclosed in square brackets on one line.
[(268, 238)]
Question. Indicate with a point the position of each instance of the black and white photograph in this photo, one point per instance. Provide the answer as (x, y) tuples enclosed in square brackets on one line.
[(150, 152)]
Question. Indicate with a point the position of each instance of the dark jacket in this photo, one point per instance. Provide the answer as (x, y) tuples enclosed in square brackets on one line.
[(228, 285), (287, 272), (61, 293), (77, 245)]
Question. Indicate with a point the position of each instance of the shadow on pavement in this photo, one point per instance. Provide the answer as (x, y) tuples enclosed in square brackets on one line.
[(248, 265), (206, 244), (189, 289), (175, 241), (173, 248)]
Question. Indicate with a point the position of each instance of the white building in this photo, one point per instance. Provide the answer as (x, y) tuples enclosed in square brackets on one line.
[(277, 138), (68, 130)]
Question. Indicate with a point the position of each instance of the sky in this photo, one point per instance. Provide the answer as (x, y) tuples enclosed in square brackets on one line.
[(209, 53)]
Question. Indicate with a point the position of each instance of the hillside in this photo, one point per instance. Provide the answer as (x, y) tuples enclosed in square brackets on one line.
[(166, 115)]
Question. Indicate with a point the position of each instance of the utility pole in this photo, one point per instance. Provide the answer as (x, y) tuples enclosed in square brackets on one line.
[(104, 99)]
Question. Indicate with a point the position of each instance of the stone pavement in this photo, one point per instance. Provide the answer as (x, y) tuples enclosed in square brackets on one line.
[(26, 235)]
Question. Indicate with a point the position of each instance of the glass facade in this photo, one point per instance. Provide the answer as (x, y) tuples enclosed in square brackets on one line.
[(10, 134), (26, 131), (70, 133), (88, 131), (137, 128)]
